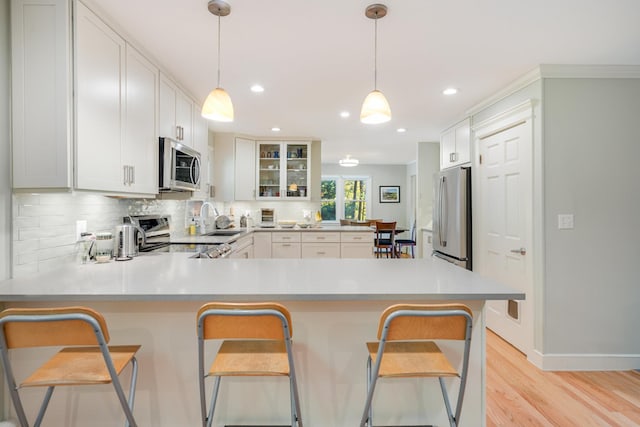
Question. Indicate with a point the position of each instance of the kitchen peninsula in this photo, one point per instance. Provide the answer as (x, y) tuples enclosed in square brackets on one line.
[(335, 306)]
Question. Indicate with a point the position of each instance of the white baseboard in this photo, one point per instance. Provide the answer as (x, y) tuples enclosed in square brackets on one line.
[(585, 362)]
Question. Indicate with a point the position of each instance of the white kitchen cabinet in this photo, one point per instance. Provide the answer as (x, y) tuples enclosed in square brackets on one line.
[(356, 244), (455, 145), (285, 244), (201, 145), (116, 118), (283, 170), (262, 244), (319, 244), (246, 248), (427, 243), (100, 91), (245, 169), (140, 149), (176, 112), (41, 94)]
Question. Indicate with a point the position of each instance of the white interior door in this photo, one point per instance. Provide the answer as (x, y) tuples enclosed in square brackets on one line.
[(505, 228)]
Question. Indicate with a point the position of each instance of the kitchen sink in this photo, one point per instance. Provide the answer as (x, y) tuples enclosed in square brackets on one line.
[(224, 233)]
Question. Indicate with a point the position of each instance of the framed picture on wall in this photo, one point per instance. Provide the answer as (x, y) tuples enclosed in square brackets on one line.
[(389, 194)]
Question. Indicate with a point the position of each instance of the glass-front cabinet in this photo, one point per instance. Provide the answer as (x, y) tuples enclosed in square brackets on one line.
[(283, 170)]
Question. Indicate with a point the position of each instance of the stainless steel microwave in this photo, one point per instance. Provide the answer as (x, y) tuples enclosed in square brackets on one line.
[(179, 166)]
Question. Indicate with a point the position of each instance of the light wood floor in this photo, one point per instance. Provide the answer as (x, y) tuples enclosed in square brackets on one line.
[(519, 394)]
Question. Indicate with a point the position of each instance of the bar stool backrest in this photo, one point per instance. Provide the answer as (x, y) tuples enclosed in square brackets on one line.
[(51, 327), (244, 325), (421, 327)]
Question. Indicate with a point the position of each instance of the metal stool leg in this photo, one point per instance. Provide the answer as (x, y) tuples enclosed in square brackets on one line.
[(214, 398)]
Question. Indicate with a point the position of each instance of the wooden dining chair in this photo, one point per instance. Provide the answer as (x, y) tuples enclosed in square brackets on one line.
[(384, 242), (85, 358), (406, 349), (256, 341)]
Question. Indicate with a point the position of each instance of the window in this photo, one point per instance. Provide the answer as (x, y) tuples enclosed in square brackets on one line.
[(345, 197)]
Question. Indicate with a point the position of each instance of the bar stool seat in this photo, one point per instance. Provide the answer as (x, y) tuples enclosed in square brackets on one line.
[(405, 349), (86, 359)]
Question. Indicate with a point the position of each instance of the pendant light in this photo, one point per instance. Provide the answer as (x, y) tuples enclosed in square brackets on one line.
[(348, 162), (375, 108), (218, 106)]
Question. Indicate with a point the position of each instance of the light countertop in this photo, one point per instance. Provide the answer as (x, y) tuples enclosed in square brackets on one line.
[(176, 277)]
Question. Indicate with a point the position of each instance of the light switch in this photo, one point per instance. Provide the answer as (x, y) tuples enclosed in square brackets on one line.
[(565, 221)]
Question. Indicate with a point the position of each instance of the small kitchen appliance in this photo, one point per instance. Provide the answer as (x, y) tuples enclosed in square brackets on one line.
[(267, 217), (179, 166), (126, 243)]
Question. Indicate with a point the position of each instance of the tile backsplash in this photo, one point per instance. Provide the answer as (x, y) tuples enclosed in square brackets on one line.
[(44, 225)]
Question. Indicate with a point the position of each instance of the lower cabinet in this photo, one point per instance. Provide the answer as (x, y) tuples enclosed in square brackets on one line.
[(312, 244), (285, 244), (320, 245), (262, 245), (427, 243), (356, 245)]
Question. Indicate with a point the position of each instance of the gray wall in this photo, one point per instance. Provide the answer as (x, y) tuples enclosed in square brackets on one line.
[(591, 153), (5, 153), (380, 175)]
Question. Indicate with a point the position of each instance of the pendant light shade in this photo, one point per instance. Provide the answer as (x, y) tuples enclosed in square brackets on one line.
[(218, 105), (375, 108)]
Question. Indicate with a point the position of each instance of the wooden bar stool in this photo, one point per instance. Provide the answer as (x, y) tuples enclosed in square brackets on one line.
[(405, 349), (68, 327), (256, 342)]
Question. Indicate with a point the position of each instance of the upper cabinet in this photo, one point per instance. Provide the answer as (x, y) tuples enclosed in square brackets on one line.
[(245, 169), (283, 170), (176, 113), (41, 86), (455, 145), (116, 98), (201, 145), (87, 107)]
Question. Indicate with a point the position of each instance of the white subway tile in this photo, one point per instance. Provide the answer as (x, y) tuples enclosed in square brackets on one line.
[(56, 252), (25, 269), (52, 242), (25, 246)]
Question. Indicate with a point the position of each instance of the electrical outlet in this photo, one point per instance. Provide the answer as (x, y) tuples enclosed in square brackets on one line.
[(565, 221), (81, 227)]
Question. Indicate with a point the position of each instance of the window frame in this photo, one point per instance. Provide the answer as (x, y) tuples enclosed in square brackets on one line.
[(340, 201)]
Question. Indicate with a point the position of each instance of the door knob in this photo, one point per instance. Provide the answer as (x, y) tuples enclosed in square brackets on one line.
[(521, 251)]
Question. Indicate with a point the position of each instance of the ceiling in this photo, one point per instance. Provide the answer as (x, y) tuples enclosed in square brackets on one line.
[(315, 59)]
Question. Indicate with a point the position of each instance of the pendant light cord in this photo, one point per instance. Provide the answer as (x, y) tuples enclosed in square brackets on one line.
[(218, 47), (375, 54)]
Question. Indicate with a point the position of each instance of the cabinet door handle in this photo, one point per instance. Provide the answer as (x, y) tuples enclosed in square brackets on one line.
[(321, 253), (133, 174), (453, 157), (521, 251), (357, 238), (320, 237), (286, 245), (124, 175)]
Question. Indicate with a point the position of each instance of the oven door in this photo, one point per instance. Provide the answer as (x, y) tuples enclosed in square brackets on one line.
[(179, 166)]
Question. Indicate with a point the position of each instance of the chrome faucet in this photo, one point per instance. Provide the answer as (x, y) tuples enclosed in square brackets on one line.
[(203, 224)]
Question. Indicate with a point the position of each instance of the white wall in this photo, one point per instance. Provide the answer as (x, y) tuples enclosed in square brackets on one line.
[(5, 153), (380, 175), (428, 164), (591, 153)]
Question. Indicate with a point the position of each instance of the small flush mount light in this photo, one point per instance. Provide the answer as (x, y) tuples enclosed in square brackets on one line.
[(344, 114), (275, 129), (218, 106), (450, 91), (375, 108), (401, 130), (348, 162), (257, 89)]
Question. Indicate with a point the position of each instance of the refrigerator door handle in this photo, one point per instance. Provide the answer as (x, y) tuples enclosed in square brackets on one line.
[(442, 202)]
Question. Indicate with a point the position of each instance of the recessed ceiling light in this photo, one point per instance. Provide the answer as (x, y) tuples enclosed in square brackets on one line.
[(345, 114), (275, 129), (450, 91), (401, 130), (257, 89)]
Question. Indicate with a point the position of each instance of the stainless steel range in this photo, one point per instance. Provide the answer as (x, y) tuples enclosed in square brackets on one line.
[(158, 238)]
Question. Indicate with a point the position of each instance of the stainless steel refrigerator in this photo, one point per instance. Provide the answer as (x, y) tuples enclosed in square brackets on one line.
[(452, 216)]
